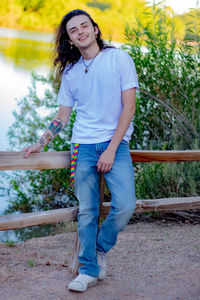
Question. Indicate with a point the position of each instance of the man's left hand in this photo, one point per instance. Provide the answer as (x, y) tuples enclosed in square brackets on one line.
[(105, 161)]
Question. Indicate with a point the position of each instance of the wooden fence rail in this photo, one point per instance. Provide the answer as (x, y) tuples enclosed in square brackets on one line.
[(61, 159), (70, 214)]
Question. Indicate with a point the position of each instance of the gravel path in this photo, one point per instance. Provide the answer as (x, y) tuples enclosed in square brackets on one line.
[(151, 261)]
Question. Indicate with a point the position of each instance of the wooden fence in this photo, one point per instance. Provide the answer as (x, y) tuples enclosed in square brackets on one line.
[(61, 159)]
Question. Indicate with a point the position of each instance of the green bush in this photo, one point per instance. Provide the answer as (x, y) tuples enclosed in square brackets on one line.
[(167, 180), (39, 189), (168, 106)]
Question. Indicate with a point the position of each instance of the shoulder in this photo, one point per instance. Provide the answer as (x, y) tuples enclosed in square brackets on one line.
[(117, 54), (71, 68), (113, 51), (123, 55)]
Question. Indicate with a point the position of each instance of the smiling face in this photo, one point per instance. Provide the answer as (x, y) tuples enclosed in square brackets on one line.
[(81, 32)]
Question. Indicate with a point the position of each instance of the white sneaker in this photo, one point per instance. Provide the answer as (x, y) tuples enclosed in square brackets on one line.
[(82, 282), (101, 260)]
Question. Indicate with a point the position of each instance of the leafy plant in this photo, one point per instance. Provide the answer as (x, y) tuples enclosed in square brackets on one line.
[(168, 108), (30, 262), (97, 4), (10, 243), (168, 104), (166, 180), (41, 189)]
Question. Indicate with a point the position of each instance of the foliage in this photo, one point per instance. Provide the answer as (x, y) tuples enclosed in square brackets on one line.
[(101, 5), (26, 54), (30, 262), (167, 117), (164, 180), (111, 15), (10, 243), (192, 25), (35, 112), (33, 5), (32, 190), (168, 105)]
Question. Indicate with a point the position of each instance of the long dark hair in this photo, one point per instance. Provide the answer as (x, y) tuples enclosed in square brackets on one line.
[(63, 52)]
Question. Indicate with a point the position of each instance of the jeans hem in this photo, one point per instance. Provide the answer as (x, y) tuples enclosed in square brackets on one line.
[(88, 274)]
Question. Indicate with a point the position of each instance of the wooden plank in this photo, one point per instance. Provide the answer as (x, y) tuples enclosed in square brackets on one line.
[(184, 203), (61, 159), (68, 214), (13, 221), (43, 160), (165, 204), (164, 156)]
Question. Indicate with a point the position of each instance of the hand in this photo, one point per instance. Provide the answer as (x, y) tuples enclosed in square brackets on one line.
[(30, 149), (105, 161)]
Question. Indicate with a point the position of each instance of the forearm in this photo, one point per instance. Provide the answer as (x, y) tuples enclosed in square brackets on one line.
[(122, 126), (55, 127)]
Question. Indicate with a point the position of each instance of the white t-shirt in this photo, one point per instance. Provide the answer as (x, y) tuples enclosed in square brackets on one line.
[(97, 94)]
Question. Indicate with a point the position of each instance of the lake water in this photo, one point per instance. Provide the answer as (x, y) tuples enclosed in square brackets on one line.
[(21, 52)]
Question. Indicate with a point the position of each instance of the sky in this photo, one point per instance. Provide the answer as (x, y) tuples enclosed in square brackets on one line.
[(180, 6)]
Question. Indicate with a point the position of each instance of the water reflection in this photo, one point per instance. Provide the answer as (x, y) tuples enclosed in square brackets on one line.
[(26, 54), (23, 234), (21, 52), (26, 34)]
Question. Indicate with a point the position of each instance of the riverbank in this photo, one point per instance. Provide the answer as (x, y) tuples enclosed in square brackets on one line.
[(150, 261)]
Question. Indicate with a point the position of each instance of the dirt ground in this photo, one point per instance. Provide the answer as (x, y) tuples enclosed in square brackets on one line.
[(150, 261)]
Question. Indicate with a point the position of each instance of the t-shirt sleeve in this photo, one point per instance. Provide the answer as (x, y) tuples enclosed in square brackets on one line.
[(128, 75), (64, 95)]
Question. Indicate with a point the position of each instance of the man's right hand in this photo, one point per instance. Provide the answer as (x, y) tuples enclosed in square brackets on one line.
[(61, 118), (31, 149)]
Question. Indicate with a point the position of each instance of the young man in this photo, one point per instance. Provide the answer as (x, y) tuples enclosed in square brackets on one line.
[(101, 81)]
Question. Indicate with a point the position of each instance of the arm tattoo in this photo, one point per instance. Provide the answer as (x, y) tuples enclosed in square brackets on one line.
[(42, 141), (55, 127), (48, 137), (45, 139)]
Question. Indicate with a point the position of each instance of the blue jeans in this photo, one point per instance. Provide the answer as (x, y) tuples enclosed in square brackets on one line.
[(120, 181)]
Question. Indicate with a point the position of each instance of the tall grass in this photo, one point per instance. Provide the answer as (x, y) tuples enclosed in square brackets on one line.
[(168, 106), (167, 180)]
